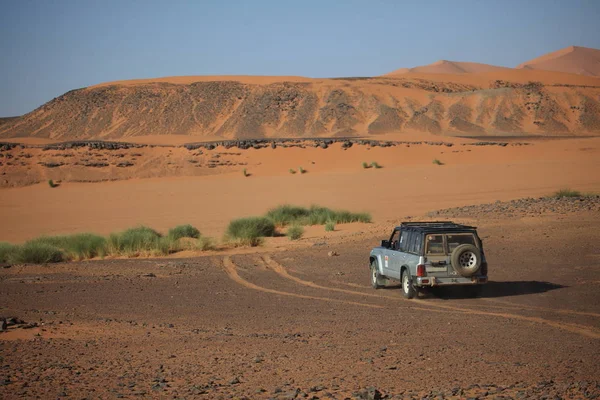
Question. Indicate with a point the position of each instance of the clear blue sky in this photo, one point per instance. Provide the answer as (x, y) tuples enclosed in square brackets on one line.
[(50, 47)]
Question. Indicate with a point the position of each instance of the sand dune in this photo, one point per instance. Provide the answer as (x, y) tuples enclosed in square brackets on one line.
[(449, 67), (573, 59)]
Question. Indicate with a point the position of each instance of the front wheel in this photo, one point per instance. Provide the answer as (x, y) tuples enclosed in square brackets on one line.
[(408, 290), (377, 281)]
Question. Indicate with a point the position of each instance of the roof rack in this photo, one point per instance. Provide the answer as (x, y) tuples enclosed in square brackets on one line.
[(428, 223), (436, 225)]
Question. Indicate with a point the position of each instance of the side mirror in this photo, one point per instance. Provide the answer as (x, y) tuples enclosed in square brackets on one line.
[(385, 243)]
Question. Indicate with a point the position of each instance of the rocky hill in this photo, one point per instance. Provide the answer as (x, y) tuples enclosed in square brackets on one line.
[(316, 108)]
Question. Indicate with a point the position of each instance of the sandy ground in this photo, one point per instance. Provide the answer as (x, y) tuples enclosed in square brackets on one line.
[(299, 324), (409, 184)]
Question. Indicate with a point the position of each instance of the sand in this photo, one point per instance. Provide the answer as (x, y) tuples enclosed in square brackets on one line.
[(573, 59), (409, 184)]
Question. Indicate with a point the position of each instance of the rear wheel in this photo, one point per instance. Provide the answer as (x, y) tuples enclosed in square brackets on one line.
[(377, 281), (408, 290)]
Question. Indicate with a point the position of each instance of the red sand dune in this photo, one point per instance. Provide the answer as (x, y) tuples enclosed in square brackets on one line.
[(449, 67), (573, 59)]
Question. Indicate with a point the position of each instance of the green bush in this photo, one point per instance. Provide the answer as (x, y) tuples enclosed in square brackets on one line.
[(315, 215), (295, 232), (205, 243), (330, 226), (301, 170), (365, 165), (375, 165), (292, 171), (52, 184), (181, 231), (437, 162), (567, 193), (7, 252), (286, 214), (78, 246), (246, 174), (250, 230), (133, 241), (37, 253), (164, 246), (322, 215)]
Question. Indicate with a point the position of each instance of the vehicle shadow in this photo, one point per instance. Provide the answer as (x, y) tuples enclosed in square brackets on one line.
[(493, 289)]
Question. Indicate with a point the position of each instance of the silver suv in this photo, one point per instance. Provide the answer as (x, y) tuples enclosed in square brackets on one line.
[(430, 254)]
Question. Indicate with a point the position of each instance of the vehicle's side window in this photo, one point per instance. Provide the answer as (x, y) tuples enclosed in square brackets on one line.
[(418, 242), (409, 240), (394, 241), (404, 241), (434, 244)]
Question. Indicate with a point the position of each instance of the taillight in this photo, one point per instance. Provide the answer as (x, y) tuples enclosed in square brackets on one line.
[(483, 268), (421, 270)]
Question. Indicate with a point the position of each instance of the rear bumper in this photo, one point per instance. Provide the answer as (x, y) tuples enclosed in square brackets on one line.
[(425, 281)]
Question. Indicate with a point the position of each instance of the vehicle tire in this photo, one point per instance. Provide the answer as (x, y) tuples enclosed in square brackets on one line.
[(408, 290), (466, 260), (377, 281)]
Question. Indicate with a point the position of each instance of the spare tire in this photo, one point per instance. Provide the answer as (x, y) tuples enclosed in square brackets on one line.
[(466, 259)]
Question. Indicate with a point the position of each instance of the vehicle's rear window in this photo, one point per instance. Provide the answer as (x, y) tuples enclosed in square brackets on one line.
[(457, 239), (435, 244)]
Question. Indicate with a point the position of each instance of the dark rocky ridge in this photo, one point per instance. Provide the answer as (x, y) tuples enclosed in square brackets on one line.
[(340, 107)]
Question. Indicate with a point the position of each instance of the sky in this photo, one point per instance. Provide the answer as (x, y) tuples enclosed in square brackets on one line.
[(48, 47)]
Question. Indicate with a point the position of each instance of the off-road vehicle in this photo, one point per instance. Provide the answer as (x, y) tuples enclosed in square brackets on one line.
[(430, 254)]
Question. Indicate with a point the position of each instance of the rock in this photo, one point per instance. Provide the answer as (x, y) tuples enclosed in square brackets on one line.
[(3, 325), (332, 254), (234, 381)]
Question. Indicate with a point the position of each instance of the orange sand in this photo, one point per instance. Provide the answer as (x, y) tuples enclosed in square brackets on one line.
[(408, 184)]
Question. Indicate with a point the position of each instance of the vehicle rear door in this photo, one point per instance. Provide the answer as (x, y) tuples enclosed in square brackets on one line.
[(438, 259)]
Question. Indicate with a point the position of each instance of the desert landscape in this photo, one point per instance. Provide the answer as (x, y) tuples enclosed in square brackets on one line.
[(205, 314)]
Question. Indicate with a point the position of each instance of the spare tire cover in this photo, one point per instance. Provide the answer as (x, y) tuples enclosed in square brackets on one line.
[(466, 259)]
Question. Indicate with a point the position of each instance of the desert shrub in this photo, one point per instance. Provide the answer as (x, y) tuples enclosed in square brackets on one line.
[(133, 241), (249, 231), (315, 215), (295, 232), (329, 226), (52, 184), (437, 162), (205, 243), (37, 253), (245, 172), (301, 170), (365, 165), (7, 252), (164, 246), (292, 171), (286, 214), (321, 215), (182, 231), (567, 193), (79, 246), (375, 165)]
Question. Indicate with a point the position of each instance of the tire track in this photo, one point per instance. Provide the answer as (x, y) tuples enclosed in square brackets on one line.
[(537, 308), (574, 328), (231, 271)]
